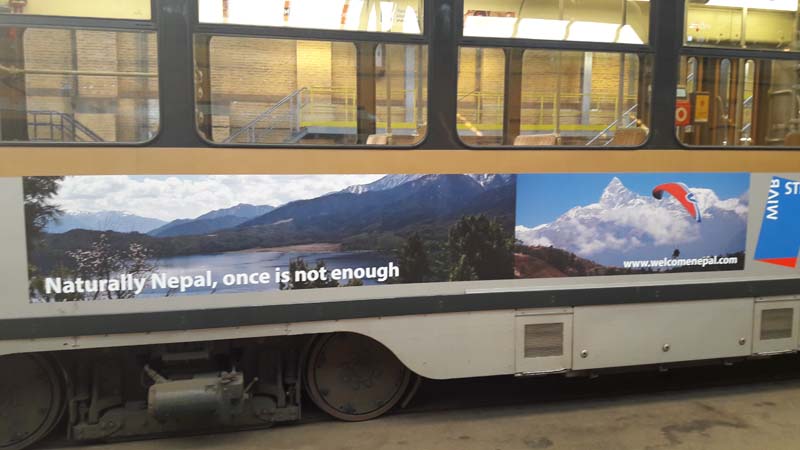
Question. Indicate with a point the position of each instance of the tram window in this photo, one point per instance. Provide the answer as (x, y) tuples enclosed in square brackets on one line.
[(387, 16), (104, 9), (481, 87), (625, 21), (565, 98), (757, 24), (291, 92), (68, 85), (741, 102)]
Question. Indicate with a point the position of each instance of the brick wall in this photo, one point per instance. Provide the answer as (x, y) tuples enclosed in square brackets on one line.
[(114, 107), (249, 75)]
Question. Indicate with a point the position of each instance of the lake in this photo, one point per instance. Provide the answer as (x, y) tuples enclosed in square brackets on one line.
[(221, 264)]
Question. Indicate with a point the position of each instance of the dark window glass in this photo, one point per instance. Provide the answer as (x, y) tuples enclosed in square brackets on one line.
[(66, 85)]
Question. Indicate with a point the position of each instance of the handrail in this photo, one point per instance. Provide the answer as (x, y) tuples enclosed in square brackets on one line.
[(611, 125), (252, 124), (68, 124), (78, 125)]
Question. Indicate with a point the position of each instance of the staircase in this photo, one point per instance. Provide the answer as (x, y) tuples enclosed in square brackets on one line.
[(605, 137), (280, 123), (54, 126)]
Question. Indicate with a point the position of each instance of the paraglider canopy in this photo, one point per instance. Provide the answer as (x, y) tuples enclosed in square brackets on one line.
[(681, 193)]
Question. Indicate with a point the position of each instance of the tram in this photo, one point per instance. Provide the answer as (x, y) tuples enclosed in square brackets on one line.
[(213, 209)]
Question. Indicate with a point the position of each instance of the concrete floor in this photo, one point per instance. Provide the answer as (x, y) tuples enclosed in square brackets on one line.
[(760, 415)]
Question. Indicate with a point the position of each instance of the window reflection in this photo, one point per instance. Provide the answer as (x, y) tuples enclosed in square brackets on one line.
[(395, 16), (612, 21)]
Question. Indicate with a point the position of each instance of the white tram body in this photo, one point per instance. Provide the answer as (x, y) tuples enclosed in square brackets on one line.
[(607, 321), (341, 198)]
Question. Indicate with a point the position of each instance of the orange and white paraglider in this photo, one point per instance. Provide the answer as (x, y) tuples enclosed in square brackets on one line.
[(681, 193)]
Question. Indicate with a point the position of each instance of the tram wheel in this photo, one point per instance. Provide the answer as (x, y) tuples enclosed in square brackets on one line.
[(31, 400), (354, 378)]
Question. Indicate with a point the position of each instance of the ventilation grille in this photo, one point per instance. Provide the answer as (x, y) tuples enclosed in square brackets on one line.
[(776, 323), (544, 339)]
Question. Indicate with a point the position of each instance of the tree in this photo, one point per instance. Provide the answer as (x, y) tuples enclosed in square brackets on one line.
[(39, 211), (354, 282), (480, 249), (102, 262), (414, 264), (38, 193), (36, 286), (295, 282)]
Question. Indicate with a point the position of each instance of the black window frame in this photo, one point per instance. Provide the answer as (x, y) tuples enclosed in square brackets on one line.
[(647, 50), (95, 24), (323, 35), (175, 23), (687, 50)]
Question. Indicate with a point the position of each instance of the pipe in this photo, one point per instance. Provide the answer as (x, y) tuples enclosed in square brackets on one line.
[(15, 71)]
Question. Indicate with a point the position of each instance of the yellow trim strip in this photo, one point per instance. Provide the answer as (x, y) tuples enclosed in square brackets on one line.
[(19, 161)]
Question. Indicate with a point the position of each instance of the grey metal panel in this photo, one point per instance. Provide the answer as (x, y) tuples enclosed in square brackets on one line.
[(628, 335), (153, 321)]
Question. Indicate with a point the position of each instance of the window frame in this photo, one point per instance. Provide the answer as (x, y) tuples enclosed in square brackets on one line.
[(313, 34), (687, 50), (94, 24), (642, 50), (42, 20)]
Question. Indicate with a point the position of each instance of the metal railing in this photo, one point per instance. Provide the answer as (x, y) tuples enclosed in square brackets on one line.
[(268, 121), (59, 127), (331, 109), (613, 124), (538, 108)]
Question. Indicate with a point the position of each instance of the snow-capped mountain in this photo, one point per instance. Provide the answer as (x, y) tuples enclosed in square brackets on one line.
[(487, 181), (624, 225), (421, 199), (491, 180), (387, 182), (103, 221)]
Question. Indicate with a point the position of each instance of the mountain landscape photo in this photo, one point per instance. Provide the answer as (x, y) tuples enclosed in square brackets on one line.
[(436, 225), (594, 227)]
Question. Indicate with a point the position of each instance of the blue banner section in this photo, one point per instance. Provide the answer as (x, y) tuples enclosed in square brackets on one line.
[(779, 240)]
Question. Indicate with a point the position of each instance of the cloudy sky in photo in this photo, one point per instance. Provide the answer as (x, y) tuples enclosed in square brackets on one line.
[(188, 196)]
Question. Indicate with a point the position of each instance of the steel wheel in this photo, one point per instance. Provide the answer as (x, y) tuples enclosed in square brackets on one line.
[(354, 378), (31, 400)]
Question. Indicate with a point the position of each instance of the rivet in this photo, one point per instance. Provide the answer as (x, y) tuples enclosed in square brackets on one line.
[(742, 341), (584, 353), (665, 348)]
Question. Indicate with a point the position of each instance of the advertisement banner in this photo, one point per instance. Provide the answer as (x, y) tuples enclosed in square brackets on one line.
[(623, 224), (133, 237)]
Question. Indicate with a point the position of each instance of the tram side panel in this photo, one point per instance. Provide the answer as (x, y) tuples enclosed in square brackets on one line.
[(431, 265)]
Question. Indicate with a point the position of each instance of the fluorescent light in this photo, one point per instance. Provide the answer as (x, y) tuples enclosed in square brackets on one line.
[(592, 31), (372, 23), (627, 35), (775, 5), (483, 26), (247, 12), (352, 20), (315, 14), (387, 16), (411, 21), (210, 11), (554, 30), (255, 12)]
